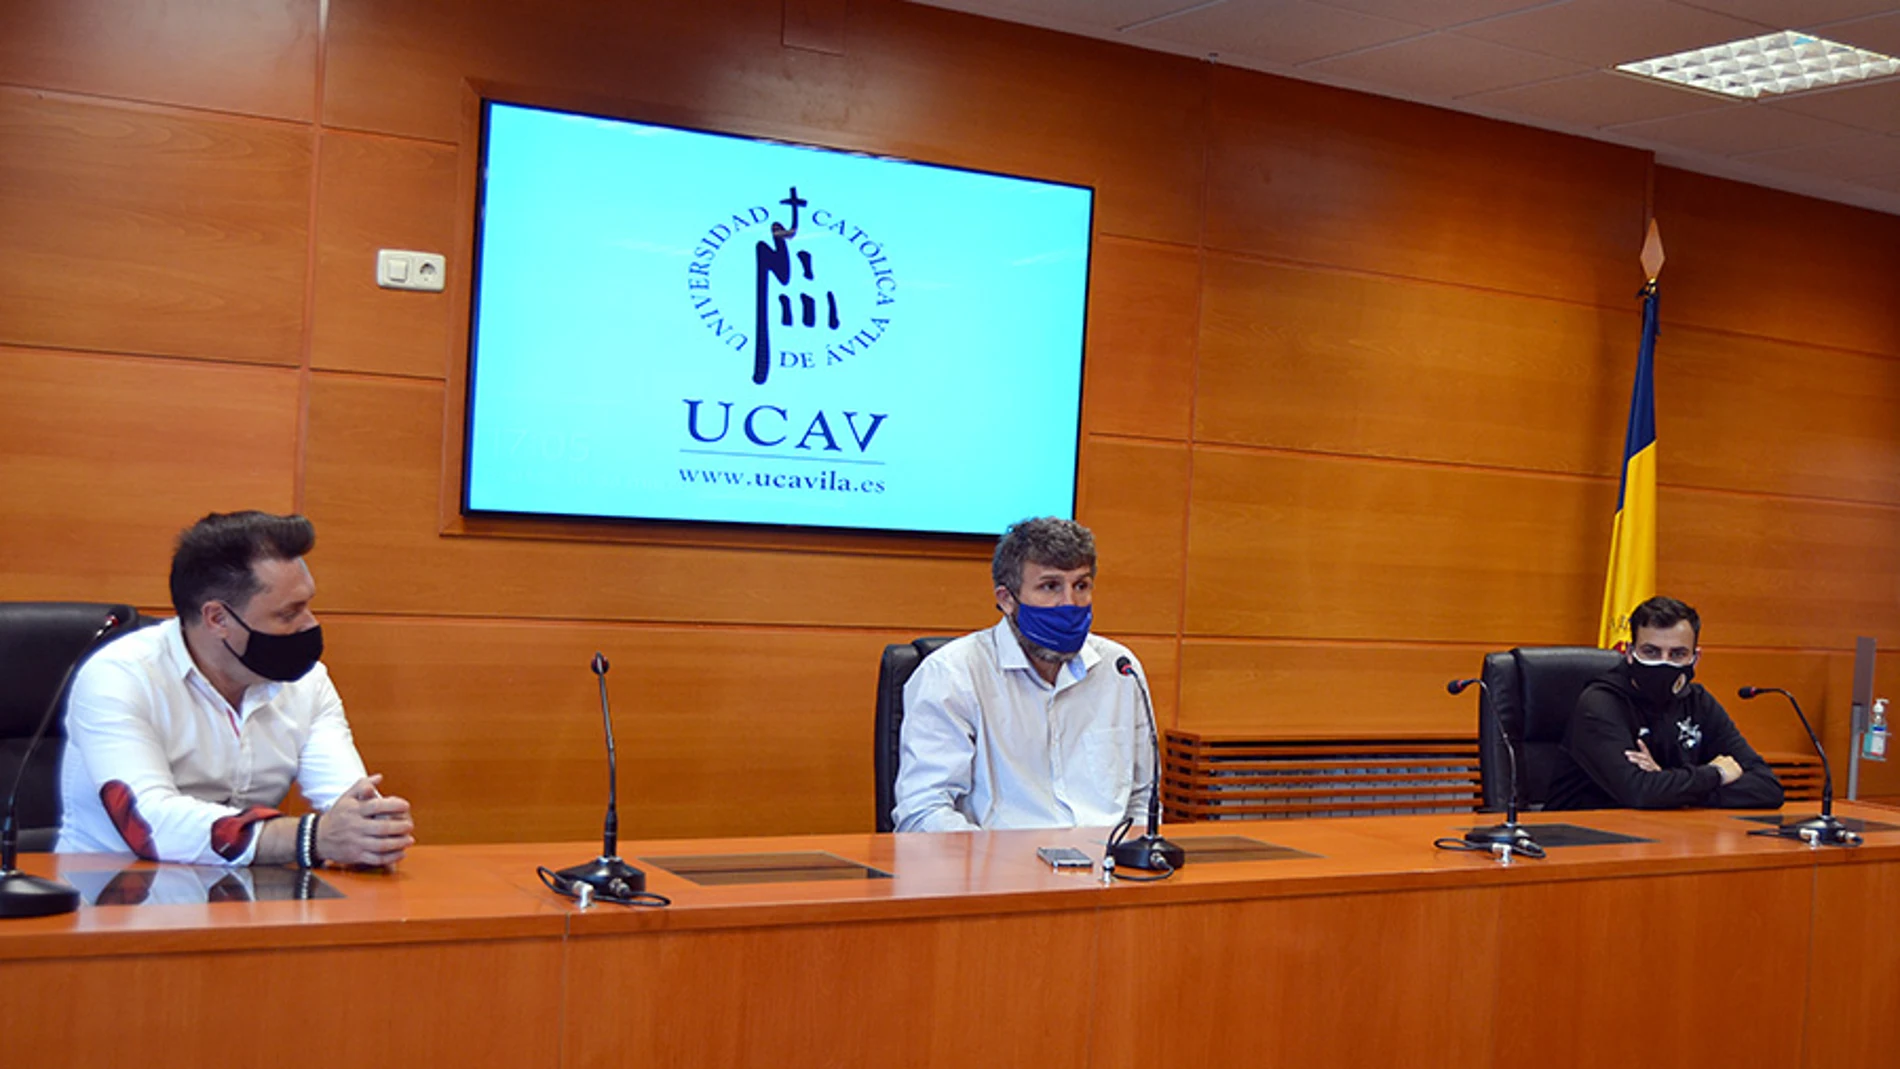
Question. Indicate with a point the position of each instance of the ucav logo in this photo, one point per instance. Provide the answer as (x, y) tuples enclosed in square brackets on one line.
[(816, 290), (770, 426)]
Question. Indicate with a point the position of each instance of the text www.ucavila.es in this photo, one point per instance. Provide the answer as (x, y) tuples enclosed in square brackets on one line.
[(828, 481)]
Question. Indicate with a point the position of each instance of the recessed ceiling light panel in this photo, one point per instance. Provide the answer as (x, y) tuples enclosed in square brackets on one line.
[(1784, 62)]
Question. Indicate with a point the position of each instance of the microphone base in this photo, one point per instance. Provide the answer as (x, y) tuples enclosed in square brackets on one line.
[(1150, 853), (33, 896), (1824, 829), (1512, 835), (609, 876)]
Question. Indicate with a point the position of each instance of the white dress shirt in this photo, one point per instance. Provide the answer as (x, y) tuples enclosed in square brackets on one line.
[(988, 744), (197, 774)]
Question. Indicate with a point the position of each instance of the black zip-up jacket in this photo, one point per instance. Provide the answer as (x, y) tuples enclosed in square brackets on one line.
[(1684, 733)]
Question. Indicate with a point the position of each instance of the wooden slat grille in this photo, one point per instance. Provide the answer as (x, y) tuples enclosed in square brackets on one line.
[(1211, 777), (1235, 778)]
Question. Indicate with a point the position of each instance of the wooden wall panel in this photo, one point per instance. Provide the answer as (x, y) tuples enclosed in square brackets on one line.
[(167, 1005), (1307, 690), (913, 81), (1758, 261), (1321, 547), (1305, 974), (1319, 175), (107, 458), (141, 230), (1778, 573), (935, 994), (258, 58), (1133, 497), (1629, 960), (1856, 957), (385, 193), (1141, 336), (371, 479), (1743, 413), (1766, 721), (492, 727), (1410, 369)]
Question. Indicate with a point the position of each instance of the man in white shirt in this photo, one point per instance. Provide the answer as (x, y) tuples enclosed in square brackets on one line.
[(181, 739), (1027, 724)]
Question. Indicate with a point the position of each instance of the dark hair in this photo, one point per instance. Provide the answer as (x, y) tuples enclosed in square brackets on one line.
[(215, 557), (1047, 540), (1663, 613)]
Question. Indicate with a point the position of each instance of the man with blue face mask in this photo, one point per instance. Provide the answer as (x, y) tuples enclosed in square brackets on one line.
[(1646, 736), (182, 739), (1027, 724)]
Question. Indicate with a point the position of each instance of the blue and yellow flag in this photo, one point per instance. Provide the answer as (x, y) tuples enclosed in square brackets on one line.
[(1632, 575)]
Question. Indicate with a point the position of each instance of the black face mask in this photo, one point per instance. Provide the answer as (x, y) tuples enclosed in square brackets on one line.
[(1660, 682), (282, 658)]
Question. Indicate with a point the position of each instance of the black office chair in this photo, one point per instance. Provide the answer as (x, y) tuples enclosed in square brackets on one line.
[(39, 640), (1532, 692), (900, 660)]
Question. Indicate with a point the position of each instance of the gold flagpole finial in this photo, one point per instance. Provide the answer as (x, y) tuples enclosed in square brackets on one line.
[(1652, 252)]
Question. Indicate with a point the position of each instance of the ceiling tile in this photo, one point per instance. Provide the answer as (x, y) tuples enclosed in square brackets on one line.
[(1881, 33), (1856, 158), (1067, 14), (1869, 106), (1603, 33), (1442, 66), (1803, 15), (1436, 15), (1736, 131), (1599, 98), (1277, 32)]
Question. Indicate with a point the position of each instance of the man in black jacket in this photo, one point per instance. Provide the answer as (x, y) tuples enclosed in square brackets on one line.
[(1645, 737)]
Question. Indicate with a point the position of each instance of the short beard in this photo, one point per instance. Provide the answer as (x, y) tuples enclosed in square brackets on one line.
[(1036, 651)]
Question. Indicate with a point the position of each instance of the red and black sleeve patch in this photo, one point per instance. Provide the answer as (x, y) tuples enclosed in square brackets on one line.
[(231, 836), (124, 811)]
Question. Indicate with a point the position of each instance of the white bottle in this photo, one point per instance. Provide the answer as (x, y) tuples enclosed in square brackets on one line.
[(1873, 744)]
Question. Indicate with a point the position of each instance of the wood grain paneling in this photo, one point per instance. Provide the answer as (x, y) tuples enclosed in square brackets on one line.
[(1744, 413), (1767, 722), (378, 1004), (1133, 497), (138, 230), (1409, 369), (1856, 957), (384, 193), (1758, 261), (1140, 370), (372, 475), (1643, 969), (258, 58), (1301, 980), (1300, 690), (1319, 175), (492, 728), (1321, 547), (913, 81), (1007, 990), (107, 458), (1772, 572), (402, 67)]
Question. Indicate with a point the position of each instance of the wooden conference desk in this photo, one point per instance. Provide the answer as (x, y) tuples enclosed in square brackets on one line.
[(1703, 947)]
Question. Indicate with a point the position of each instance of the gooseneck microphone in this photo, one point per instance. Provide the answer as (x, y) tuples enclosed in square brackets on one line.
[(1824, 828), (607, 877), (1150, 852), (31, 896), (1510, 833)]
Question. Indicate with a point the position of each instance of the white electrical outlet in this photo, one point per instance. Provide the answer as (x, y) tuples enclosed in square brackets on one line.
[(403, 269)]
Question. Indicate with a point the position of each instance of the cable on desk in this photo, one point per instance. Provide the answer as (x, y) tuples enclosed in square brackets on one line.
[(566, 889), (1524, 849)]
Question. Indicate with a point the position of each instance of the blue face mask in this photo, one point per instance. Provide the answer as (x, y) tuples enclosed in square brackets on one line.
[(1061, 628)]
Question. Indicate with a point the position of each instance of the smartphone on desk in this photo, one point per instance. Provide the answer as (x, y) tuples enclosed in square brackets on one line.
[(1064, 857)]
